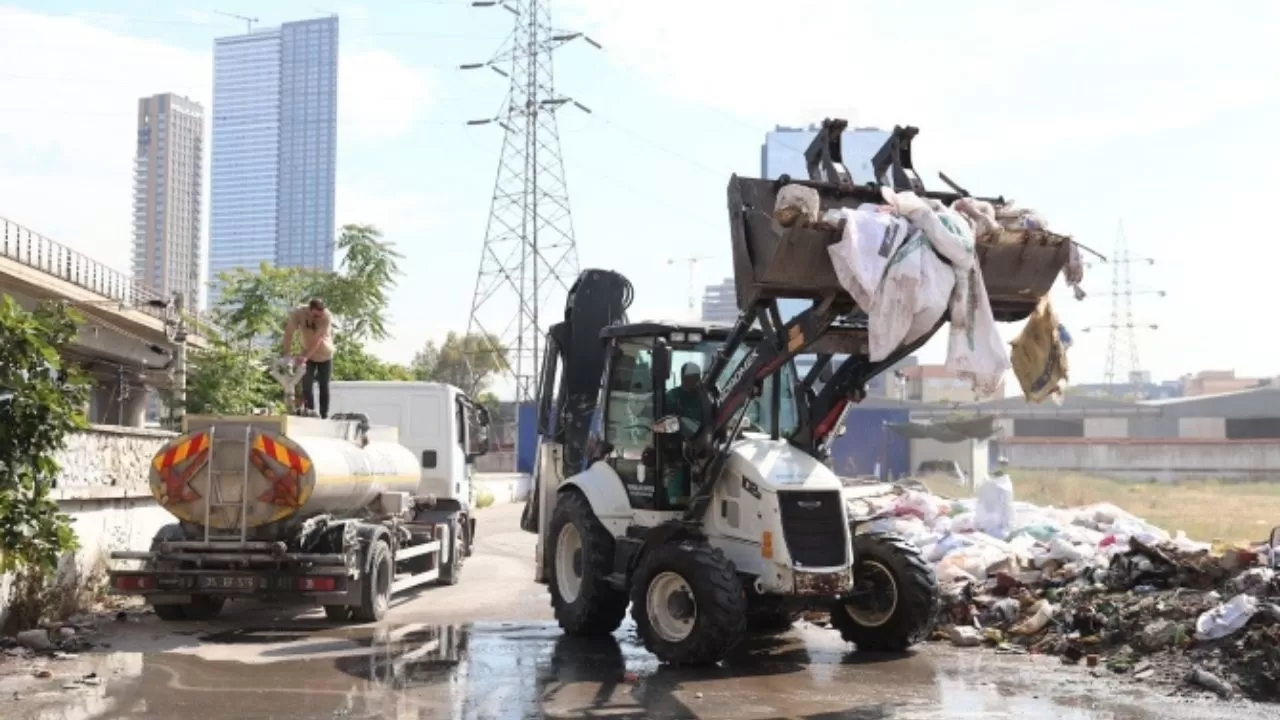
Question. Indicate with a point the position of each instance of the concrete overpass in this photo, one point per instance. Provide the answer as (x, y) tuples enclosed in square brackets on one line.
[(126, 342)]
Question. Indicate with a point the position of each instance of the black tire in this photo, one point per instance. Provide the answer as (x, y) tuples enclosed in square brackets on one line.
[(719, 605), (167, 611), (451, 572), (908, 612), (597, 607), (204, 607), (377, 585), (170, 612), (338, 613)]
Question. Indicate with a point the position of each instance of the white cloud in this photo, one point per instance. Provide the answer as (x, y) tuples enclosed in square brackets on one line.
[(1026, 75), (68, 119)]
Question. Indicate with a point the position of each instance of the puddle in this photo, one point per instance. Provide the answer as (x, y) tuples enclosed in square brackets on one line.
[(511, 670)]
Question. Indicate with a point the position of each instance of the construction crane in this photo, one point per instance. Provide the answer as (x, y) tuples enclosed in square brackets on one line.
[(248, 21), (691, 261)]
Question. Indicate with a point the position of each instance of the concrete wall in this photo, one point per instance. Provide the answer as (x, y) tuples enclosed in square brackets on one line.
[(1106, 427), (1148, 459), (103, 486)]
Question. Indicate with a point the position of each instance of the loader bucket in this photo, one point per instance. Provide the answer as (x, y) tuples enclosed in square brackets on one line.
[(773, 262)]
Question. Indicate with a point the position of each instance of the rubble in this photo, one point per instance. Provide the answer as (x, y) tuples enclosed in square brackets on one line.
[(1097, 584)]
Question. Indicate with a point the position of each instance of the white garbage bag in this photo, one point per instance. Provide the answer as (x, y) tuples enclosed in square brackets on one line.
[(1226, 618), (867, 244), (911, 298), (975, 351), (994, 512)]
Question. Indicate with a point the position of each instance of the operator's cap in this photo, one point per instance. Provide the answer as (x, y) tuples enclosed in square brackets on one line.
[(690, 368)]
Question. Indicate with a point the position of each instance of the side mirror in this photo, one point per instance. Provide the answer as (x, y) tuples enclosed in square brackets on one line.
[(668, 425), (661, 367)]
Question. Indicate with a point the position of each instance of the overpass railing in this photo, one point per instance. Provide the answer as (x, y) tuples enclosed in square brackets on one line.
[(49, 256), (36, 251)]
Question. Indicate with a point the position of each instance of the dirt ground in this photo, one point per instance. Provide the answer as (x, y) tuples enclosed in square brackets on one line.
[(487, 648)]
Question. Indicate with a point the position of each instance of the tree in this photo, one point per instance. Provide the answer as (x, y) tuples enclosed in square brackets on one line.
[(469, 362), (254, 305), (42, 400)]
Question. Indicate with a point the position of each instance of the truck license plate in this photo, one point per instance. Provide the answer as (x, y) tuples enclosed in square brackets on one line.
[(228, 582)]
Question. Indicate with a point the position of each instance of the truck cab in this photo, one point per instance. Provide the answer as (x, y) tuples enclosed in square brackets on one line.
[(444, 428)]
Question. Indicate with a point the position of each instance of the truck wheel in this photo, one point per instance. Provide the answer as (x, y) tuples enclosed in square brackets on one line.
[(170, 612), (895, 595), (204, 607), (688, 603), (377, 586), (581, 562), (451, 572)]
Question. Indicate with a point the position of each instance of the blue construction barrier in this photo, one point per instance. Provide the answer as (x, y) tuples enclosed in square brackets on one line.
[(526, 437)]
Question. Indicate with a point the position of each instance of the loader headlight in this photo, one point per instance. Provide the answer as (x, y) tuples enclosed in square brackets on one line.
[(677, 337), (694, 337)]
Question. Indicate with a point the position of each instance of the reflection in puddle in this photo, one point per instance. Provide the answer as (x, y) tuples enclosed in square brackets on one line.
[(503, 671)]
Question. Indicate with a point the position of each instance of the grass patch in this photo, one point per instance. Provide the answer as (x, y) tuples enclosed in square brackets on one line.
[(1206, 510)]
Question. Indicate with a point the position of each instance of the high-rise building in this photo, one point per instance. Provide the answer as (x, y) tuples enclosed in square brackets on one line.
[(167, 193), (720, 303), (275, 130)]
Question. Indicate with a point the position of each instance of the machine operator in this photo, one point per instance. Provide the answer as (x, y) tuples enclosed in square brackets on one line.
[(682, 400)]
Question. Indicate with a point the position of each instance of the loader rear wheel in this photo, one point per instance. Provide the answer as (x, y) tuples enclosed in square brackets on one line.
[(377, 586), (688, 603), (584, 601), (895, 596)]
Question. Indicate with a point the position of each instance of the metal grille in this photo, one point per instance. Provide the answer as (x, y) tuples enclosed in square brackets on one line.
[(813, 527)]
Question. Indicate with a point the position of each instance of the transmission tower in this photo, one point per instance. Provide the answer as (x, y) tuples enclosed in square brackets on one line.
[(1122, 342), (529, 256)]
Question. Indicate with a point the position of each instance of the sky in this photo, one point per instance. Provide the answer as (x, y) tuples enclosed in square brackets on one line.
[(1155, 116)]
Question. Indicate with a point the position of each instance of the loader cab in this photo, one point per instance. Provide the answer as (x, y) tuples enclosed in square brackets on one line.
[(641, 376)]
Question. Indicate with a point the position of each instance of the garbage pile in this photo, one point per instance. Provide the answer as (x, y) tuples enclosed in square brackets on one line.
[(1096, 586)]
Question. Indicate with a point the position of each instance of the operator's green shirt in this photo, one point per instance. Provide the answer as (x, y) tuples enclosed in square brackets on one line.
[(683, 403)]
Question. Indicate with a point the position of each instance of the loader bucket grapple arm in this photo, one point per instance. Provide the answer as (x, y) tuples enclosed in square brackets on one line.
[(772, 263)]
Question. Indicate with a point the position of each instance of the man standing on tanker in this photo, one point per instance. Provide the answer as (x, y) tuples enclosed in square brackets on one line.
[(316, 325)]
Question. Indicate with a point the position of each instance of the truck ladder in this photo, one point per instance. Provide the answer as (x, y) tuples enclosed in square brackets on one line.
[(215, 498)]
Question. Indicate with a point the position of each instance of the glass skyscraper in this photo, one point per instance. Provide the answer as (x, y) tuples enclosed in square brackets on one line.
[(275, 120)]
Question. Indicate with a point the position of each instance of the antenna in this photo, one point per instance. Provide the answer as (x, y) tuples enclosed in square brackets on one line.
[(248, 21), (529, 255), (691, 261)]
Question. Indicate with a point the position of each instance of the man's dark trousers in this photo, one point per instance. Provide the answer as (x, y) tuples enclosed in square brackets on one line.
[(317, 372)]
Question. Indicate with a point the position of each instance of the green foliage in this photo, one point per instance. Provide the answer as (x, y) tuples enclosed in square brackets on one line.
[(469, 362), (231, 377), (43, 401), (484, 499)]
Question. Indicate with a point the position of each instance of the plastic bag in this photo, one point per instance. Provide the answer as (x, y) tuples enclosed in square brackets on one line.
[(866, 246), (910, 299), (919, 504), (973, 559), (1226, 618), (994, 513), (1038, 356)]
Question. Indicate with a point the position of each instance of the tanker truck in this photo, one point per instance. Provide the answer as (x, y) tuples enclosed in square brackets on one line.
[(291, 509)]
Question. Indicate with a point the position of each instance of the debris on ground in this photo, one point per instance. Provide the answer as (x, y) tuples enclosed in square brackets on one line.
[(1094, 583)]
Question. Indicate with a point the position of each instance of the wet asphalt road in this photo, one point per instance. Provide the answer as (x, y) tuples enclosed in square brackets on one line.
[(486, 648)]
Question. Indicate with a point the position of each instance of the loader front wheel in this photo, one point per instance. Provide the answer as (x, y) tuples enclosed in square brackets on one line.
[(688, 603), (895, 596), (584, 601)]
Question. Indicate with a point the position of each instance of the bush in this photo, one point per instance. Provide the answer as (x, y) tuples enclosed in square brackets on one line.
[(484, 499)]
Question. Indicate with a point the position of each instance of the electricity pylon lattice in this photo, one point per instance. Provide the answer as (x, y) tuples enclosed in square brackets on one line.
[(1122, 341), (529, 258)]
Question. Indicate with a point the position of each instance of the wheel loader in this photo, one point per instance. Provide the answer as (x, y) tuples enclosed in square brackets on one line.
[(763, 533)]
